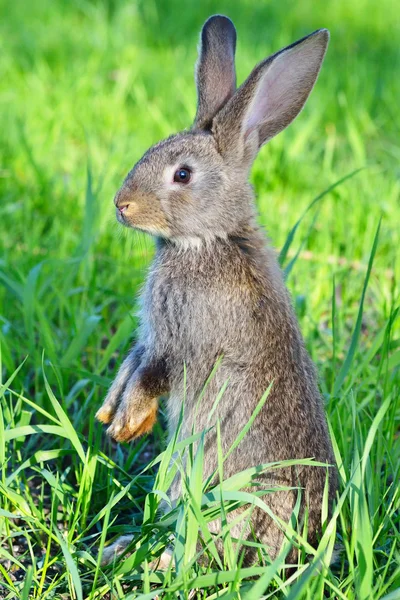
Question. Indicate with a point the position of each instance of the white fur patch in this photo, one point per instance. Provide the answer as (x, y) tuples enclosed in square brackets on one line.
[(196, 242)]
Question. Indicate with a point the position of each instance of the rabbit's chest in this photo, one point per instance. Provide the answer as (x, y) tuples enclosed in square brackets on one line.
[(196, 307), (180, 312)]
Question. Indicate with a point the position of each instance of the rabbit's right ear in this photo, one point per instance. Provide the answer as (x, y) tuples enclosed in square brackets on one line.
[(215, 71), (270, 98)]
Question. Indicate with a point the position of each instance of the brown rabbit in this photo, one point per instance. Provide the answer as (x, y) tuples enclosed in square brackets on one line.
[(215, 290)]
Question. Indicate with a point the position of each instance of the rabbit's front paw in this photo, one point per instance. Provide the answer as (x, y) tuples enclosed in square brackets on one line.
[(115, 394), (108, 408), (133, 420)]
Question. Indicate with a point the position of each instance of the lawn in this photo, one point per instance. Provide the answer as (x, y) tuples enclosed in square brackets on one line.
[(85, 88)]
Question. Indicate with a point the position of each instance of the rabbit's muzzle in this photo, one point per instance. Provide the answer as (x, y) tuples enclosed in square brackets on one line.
[(140, 210)]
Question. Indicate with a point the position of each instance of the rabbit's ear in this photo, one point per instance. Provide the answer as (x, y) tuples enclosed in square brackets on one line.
[(271, 97), (215, 71)]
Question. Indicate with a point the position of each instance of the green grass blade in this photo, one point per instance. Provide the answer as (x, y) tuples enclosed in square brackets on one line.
[(283, 253), (79, 341), (66, 424), (259, 588), (196, 492), (27, 583), (249, 423), (356, 333), (71, 567), (19, 432)]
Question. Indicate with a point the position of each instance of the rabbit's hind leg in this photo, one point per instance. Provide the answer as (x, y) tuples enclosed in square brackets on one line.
[(114, 550)]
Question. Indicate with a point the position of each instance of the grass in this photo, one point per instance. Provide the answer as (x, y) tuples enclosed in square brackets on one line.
[(85, 88)]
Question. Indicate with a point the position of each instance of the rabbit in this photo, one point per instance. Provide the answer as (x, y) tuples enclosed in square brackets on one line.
[(215, 292)]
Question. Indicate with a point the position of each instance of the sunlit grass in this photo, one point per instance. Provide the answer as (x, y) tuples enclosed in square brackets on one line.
[(85, 88)]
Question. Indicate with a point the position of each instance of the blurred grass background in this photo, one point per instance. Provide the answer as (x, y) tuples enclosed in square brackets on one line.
[(86, 86)]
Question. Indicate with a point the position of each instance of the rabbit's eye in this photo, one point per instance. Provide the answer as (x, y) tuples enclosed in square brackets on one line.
[(182, 175)]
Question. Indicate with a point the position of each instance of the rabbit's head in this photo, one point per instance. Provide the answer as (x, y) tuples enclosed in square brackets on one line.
[(194, 185)]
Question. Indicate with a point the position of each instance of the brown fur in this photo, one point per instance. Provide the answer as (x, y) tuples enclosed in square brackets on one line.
[(215, 290)]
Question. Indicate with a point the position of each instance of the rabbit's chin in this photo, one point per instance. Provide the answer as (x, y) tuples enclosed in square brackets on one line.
[(153, 231), (183, 242), (123, 221)]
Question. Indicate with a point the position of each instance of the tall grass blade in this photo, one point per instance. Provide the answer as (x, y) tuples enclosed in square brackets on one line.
[(64, 420), (72, 569), (79, 341), (283, 253), (356, 333)]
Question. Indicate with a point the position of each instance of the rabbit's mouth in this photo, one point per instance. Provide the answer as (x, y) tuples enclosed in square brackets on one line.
[(120, 217)]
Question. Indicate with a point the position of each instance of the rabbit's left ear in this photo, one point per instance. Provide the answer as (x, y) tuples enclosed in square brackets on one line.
[(215, 71), (270, 98)]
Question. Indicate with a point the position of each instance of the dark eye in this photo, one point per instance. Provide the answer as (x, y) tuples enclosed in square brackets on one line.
[(182, 175)]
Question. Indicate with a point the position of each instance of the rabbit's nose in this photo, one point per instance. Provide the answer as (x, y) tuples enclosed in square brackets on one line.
[(122, 199)]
